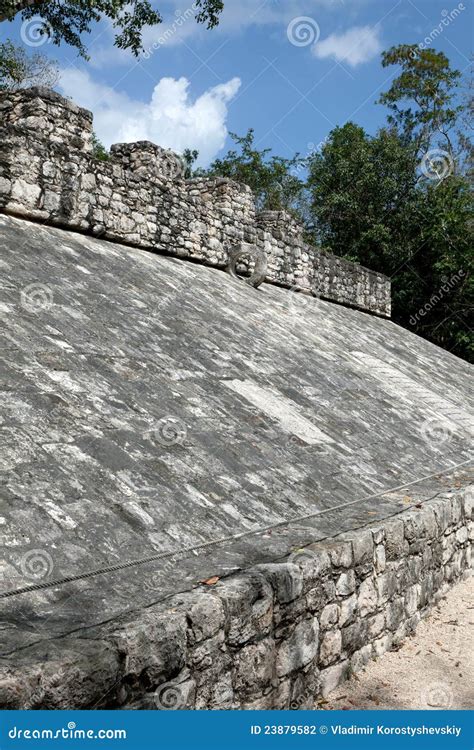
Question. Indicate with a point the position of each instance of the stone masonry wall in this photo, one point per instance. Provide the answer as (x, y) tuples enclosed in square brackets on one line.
[(140, 197), (275, 637)]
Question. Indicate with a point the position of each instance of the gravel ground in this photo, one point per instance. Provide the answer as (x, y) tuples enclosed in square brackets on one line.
[(433, 669)]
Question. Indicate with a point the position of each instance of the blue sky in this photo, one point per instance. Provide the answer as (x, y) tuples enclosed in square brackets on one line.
[(291, 69)]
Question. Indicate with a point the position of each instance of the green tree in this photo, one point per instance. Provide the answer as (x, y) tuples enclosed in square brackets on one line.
[(375, 201), (98, 149), (421, 98), (67, 20), (20, 70), (274, 180), (358, 188)]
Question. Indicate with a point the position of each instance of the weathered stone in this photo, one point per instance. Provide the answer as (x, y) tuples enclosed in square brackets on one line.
[(331, 644), (346, 583), (51, 174), (286, 580), (252, 470), (348, 610), (379, 560), (254, 668), (394, 613), (321, 595), (340, 552), (255, 619), (331, 677), (153, 647), (368, 597), (206, 617), (354, 636), (361, 658), (329, 616), (363, 546), (300, 648), (395, 544)]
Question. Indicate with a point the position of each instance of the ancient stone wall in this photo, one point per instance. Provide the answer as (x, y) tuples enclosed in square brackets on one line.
[(275, 637), (139, 196)]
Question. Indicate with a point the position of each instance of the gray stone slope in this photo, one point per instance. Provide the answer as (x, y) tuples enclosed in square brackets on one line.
[(150, 405)]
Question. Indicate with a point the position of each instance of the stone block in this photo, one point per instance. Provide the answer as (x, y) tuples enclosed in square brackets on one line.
[(348, 610), (331, 677), (299, 649), (330, 649), (346, 583), (363, 547), (368, 597), (254, 667), (395, 545), (329, 616), (286, 580)]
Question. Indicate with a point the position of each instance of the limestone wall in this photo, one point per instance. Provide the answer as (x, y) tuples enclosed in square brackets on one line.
[(140, 197), (275, 637)]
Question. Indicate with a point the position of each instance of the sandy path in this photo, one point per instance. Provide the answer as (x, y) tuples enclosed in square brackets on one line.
[(433, 669)]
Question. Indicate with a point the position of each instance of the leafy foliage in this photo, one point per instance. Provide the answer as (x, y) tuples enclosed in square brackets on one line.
[(67, 20), (368, 198), (98, 149), (274, 180), (20, 70), (420, 99)]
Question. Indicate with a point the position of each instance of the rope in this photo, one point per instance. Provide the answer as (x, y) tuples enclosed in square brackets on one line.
[(183, 551)]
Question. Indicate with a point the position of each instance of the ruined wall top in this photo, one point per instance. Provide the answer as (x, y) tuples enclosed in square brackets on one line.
[(140, 196)]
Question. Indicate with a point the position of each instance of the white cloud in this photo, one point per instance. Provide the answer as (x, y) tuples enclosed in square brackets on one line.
[(170, 119), (179, 25), (355, 46)]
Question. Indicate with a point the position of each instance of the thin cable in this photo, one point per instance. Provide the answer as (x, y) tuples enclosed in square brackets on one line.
[(182, 551)]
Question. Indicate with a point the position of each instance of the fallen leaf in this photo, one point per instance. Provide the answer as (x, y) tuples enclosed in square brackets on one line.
[(211, 581)]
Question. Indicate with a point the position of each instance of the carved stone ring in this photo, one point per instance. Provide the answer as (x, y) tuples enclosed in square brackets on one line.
[(237, 253)]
